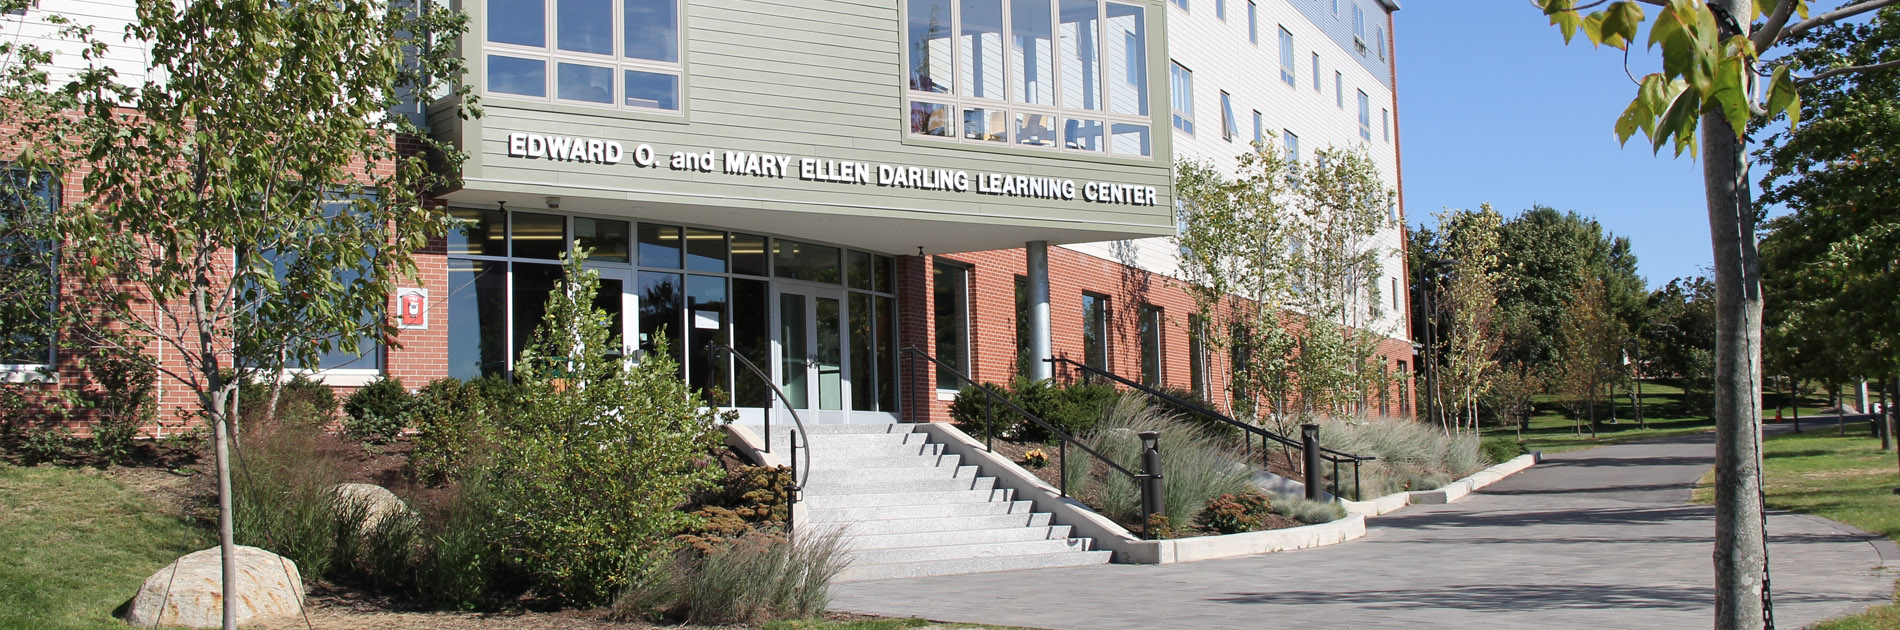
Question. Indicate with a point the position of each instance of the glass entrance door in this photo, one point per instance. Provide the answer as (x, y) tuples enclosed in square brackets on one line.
[(616, 297), (810, 348)]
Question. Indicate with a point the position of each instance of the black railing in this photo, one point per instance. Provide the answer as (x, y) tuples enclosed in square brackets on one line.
[(793, 440), (1147, 481), (1249, 429)]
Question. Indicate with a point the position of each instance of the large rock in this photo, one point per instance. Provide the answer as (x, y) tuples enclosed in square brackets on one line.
[(189, 592), (377, 502)]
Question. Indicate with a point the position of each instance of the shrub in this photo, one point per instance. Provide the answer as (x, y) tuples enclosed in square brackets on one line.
[(1194, 417), (972, 410), (504, 397), (1306, 511), (123, 401), (585, 483), (281, 496), (44, 444), (1235, 513), (1411, 455), (378, 411), (1075, 409), (456, 567), (1501, 448), (756, 578), (254, 397), (1195, 465), (452, 425)]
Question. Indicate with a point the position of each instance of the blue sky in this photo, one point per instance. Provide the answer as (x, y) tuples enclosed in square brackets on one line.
[(1495, 108)]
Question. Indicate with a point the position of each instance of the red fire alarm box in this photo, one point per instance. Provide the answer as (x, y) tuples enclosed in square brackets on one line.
[(412, 309)]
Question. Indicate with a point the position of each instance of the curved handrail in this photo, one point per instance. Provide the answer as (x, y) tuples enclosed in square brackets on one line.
[(802, 433)]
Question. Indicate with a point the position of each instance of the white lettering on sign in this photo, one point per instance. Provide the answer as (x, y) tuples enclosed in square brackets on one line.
[(751, 164), (569, 148)]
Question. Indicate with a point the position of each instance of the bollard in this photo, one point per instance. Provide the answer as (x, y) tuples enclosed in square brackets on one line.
[(1309, 443), (1152, 500)]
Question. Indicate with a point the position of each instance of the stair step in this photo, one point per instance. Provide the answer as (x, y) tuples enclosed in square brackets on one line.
[(895, 486), (856, 514), (853, 475), (906, 498), (843, 440), (886, 571), (823, 452), (967, 537), (954, 552), (946, 524), (781, 430), (881, 461)]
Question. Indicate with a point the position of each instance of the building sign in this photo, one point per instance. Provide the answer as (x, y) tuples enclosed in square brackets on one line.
[(412, 308), (741, 163)]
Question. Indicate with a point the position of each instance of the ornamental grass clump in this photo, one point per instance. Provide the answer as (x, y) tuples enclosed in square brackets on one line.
[(758, 577), (1196, 466), (1411, 455)]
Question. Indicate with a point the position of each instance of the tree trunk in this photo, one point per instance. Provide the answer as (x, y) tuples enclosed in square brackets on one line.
[(1741, 555)]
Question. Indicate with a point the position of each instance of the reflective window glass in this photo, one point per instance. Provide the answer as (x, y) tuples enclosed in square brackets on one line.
[(1129, 139), (930, 57), (707, 319), (538, 235), (748, 255), (951, 322), (982, 49), (661, 299), (585, 26), (592, 84), (659, 246), (1127, 40), (477, 232), (863, 341), (705, 250), (886, 353), (652, 30), (653, 90), (986, 124), (532, 285), (858, 270), (931, 119), (886, 270), (518, 22), (1095, 331), (1031, 52), (1081, 30), (751, 338), (805, 261), (1036, 129), (514, 75), (477, 318), (1080, 133), (606, 237)]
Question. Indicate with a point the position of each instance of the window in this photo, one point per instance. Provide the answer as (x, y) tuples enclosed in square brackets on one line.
[(1359, 26), (951, 294), (368, 357), (1227, 125), (1220, 9), (1286, 56), (1316, 73), (1258, 129), (622, 54), (1180, 3), (1395, 293), (1253, 22), (1240, 365), (1365, 116), (1335, 8), (1405, 403), (1385, 390), (1181, 87), (28, 269), (1292, 142), (1197, 356), (1022, 324), (1095, 331), (1385, 123), (1378, 37), (1150, 345), (1051, 74), (1339, 89)]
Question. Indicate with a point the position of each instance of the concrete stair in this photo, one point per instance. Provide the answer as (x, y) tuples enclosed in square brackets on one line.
[(907, 509)]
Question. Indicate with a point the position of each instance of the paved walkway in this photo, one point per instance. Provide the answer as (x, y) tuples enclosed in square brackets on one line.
[(1600, 538)]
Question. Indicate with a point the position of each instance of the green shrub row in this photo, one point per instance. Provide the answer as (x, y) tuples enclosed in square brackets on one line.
[(1075, 409)]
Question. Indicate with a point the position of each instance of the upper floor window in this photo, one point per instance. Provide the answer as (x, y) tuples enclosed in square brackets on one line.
[(1066, 74), (1359, 27), (28, 268), (1365, 116), (622, 54), (1150, 345), (1258, 128), (1286, 56), (1180, 3), (1385, 123), (1220, 9), (1253, 22), (1378, 37), (1292, 142), (1315, 73), (1181, 90), (1227, 124)]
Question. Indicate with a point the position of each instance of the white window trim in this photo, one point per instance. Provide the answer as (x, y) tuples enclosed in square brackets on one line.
[(618, 62), (335, 377), (27, 373)]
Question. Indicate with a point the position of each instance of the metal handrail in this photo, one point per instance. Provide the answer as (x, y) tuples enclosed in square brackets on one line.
[(797, 434), (1331, 455), (1064, 437)]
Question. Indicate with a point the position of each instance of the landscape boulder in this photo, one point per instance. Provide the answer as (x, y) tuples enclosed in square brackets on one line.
[(189, 592), (377, 502)]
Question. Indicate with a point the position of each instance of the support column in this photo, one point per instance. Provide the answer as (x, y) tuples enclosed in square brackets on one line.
[(1040, 345)]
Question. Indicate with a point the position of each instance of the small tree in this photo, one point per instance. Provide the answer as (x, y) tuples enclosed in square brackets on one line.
[(1592, 357), (1342, 204), (1469, 307)]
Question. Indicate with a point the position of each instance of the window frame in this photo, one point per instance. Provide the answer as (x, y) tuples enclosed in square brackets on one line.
[(1339, 89), (1253, 22), (1259, 129), (1317, 86), (1365, 116), (1286, 58), (42, 371), (348, 375), (1153, 320), (1220, 10), (1105, 307), (1200, 379), (965, 348), (618, 62), (1291, 142), (1229, 125), (1181, 92), (1385, 123)]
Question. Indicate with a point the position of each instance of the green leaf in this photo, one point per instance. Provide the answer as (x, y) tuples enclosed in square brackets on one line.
[(1731, 93), (1632, 119), (1566, 22), (1593, 28), (1678, 122), (1620, 23), (1667, 27), (1784, 96)]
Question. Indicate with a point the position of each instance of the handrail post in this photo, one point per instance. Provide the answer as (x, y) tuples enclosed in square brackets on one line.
[(1152, 500), (1309, 444), (1064, 472), (1358, 494), (791, 487)]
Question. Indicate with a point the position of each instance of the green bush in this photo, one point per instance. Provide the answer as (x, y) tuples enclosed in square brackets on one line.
[(1195, 465), (756, 578), (457, 567), (44, 444), (452, 421), (281, 496), (1411, 455), (1075, 409), (1307, 511), (1501, 448), (378, 412), (254, 397), (123, 400), (505, 397), (972, 410), (585, 483), (1236, 513)]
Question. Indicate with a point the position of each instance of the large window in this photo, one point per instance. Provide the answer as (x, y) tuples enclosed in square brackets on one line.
[(1150, 345), (1292, 142), (1316, 86), (1055, 74), (1286, 56), (1220, 9), (1095, 331), (28, 269), (1181, 92), (1339, 89), (1022, 325), (368, 357), (950, 295), (1253, 22), (622, 54)]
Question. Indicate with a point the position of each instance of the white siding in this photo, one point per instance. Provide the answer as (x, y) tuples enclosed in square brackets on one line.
[(108, 19), (1222, 59)]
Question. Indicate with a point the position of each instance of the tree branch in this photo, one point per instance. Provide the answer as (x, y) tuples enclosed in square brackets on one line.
[(1849, 70), (1771, 30), (1830, 18)]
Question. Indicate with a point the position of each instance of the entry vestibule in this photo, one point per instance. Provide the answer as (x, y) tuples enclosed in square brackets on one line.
[(820, 320)]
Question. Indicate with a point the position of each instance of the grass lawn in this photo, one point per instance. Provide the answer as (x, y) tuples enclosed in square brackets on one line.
[(1847, 479), (1667, 412), (79, 545)]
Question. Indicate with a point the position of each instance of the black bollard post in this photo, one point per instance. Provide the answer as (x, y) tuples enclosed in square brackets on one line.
[(1152, 499), (1309, 443)]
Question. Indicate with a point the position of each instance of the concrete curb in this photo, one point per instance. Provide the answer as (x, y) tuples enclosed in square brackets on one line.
[(1458, 489)]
